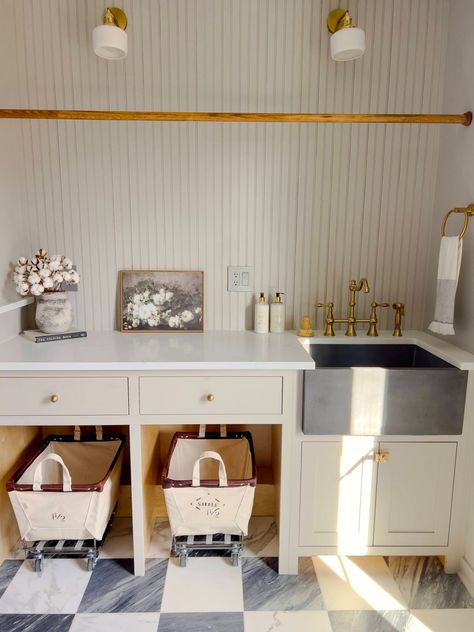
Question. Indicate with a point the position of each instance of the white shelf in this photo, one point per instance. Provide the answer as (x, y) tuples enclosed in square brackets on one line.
[(8, 307)]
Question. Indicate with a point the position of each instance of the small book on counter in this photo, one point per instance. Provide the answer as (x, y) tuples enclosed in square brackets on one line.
[(38, 336)]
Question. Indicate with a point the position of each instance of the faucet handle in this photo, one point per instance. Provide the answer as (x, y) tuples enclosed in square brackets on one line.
[(329, 331), (373, 318)]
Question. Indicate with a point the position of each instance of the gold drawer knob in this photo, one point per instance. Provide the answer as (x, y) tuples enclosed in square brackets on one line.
[(382, 456), (53, 398), (210, 397)]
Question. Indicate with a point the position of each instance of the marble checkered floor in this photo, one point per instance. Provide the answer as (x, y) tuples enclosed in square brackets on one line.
[(330, 594)]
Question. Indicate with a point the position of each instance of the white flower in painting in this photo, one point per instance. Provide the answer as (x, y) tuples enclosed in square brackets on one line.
[(187, 316), (175, 322), (34, 278), (37, 289), (158, 299), (197, 310), (137, 299), (48, 283), (146, 311), (44, 272), (169, 295), (135, 322)]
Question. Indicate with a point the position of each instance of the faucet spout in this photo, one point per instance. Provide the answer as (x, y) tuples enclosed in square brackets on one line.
[(357, 287)]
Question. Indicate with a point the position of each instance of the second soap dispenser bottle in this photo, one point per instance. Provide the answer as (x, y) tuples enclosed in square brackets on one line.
[(277, 314)]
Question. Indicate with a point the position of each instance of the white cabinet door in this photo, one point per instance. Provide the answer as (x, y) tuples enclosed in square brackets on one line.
[(336, 503), (414, 493)]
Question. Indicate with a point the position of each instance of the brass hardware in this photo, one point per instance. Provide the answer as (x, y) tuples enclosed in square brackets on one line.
[(329, 331), (115, 17), (399, 312), (53, 399), (382, 456), (339, 19), (210, 397), (373, 318), (468, 213), (306, 329), (353, 288)]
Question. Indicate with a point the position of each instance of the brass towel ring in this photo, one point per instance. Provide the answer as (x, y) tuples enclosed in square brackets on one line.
[(468, 212)]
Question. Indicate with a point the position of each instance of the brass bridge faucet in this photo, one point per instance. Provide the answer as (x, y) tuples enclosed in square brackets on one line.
[(352, 319)]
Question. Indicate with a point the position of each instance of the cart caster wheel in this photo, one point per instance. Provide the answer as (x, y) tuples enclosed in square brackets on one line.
[(183, 558), (235, 559), (38, 564), (91, 562)]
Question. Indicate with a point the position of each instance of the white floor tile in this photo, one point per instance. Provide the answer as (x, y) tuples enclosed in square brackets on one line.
[(357, 583), (58, 589), (441, 621), (209, 584), (160, 544), (116, 622), (287, 621)]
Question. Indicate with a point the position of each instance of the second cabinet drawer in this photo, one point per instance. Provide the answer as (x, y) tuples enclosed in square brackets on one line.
[(53, 396), (211, 395)]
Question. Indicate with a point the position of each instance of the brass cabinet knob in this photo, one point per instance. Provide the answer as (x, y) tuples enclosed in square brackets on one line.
[(210, 397), (382, 456), (53, 399)]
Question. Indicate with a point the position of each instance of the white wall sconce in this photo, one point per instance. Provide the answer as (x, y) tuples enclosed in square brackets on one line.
[(109, 39), (347, 42)]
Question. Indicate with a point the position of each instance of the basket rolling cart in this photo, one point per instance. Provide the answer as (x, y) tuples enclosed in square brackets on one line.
[(64, 497), (209, 485)]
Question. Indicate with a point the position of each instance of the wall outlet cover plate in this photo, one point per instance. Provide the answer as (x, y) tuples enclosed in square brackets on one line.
[(240, 279)]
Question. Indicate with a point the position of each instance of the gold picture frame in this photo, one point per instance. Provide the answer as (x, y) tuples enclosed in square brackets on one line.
[(161, 301)]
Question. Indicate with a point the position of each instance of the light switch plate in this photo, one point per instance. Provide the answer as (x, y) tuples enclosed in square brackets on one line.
[(240, 279)]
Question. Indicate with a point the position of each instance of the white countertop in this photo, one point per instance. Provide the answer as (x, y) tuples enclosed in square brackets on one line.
[(115, 351), (440, 348), (212, 350)]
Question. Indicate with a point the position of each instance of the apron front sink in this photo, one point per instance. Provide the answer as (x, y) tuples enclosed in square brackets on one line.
[(382, 389)]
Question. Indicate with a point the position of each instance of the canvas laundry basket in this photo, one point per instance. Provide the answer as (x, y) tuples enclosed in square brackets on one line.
[(209, 483), (69, 488)]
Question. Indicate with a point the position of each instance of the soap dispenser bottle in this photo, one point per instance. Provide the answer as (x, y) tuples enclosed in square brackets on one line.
[(277, 314), (261, 315)]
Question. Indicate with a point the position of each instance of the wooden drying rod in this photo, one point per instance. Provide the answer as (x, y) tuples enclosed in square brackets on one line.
[(236, 117)]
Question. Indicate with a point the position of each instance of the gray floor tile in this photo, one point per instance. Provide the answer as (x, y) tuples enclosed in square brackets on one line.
[(36, 622), (113, 588), (265, 589), (424, 584), (369, 620), (8, 571), (202, 622)]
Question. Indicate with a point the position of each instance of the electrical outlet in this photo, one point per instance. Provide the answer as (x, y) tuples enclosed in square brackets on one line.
[(240, 279)]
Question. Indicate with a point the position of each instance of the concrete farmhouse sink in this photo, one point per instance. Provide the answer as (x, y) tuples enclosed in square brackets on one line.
[(382, 389)]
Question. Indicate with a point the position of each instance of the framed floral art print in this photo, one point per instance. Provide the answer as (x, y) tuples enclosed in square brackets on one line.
[(161, 300)]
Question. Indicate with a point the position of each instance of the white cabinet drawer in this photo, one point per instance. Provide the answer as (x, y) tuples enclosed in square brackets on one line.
[(211, 395), (53, 396)]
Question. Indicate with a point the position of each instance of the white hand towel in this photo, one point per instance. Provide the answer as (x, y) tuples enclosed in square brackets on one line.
[(450, 254)]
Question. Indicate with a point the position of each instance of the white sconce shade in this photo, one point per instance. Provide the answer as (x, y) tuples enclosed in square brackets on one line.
[(347, 42), (109, 40)]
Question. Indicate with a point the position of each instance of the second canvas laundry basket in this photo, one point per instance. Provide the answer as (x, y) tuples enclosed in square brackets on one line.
[(209, 483)]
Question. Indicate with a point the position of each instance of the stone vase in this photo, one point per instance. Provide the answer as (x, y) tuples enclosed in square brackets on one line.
[(54, 313)]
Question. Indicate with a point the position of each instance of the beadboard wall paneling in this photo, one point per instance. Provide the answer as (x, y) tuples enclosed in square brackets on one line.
[(310, 206)]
